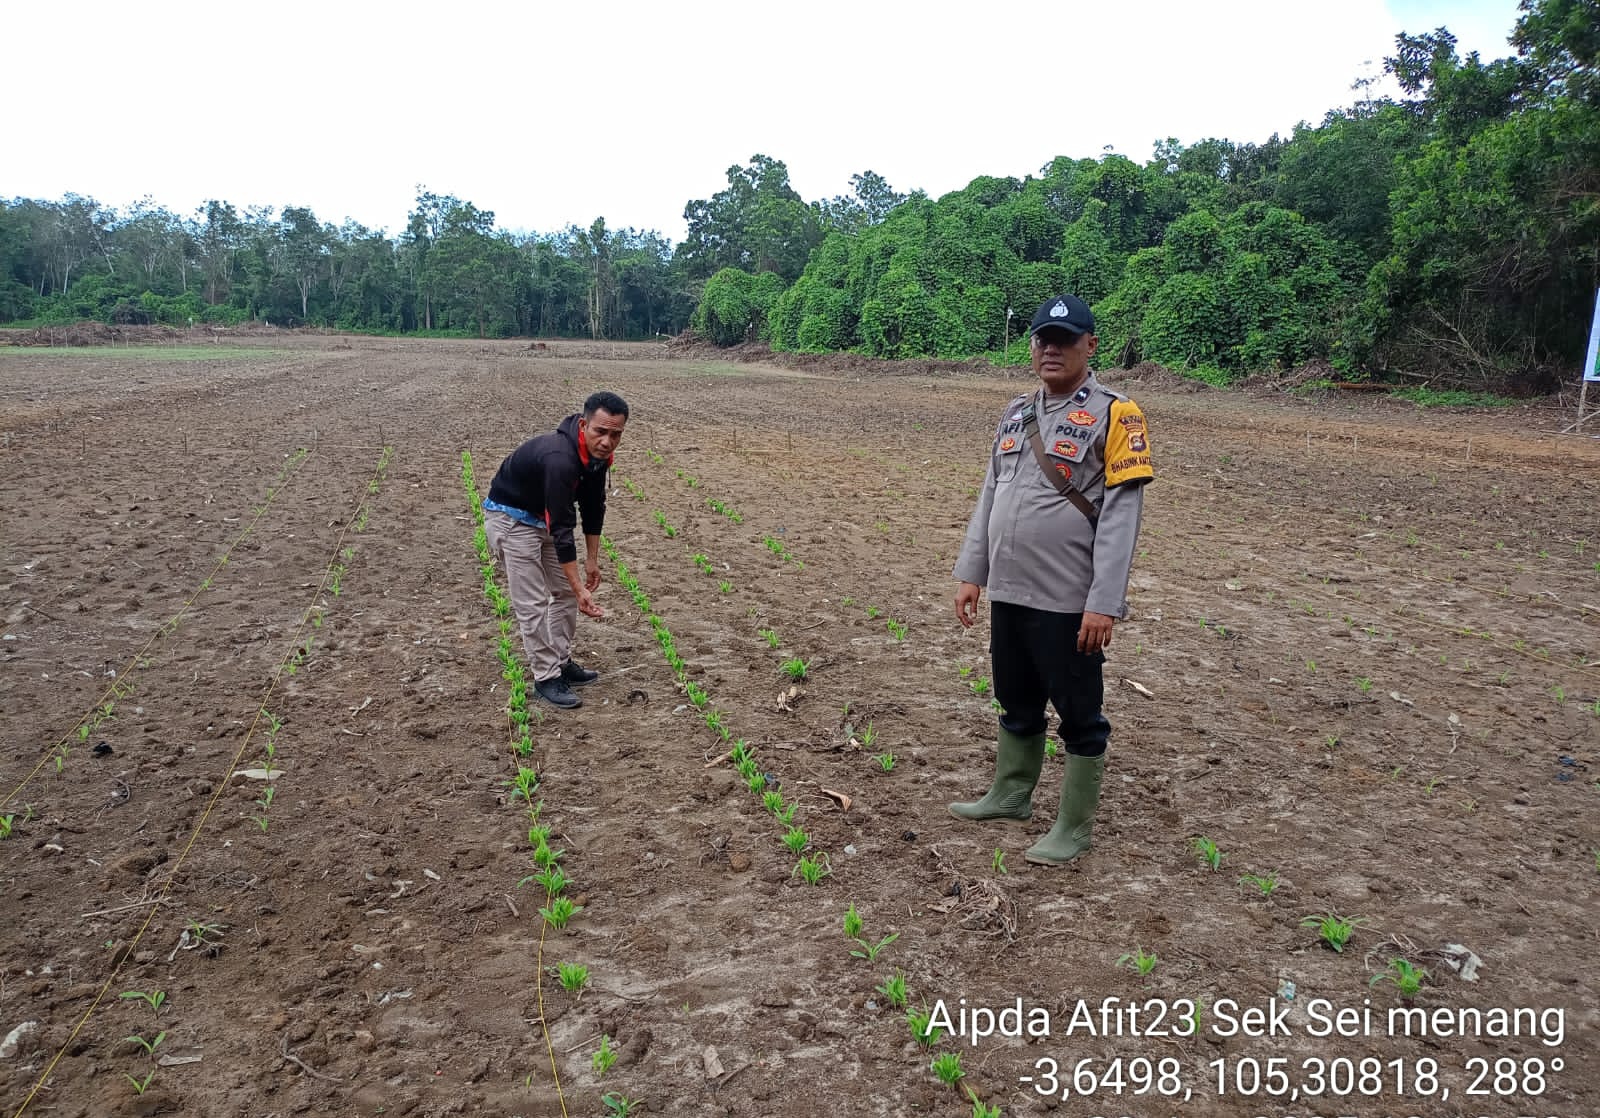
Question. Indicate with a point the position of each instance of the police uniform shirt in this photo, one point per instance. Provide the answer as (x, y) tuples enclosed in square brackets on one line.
[(1029, 545)]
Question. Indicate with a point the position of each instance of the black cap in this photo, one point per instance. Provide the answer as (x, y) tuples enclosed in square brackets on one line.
[(1067, 312)]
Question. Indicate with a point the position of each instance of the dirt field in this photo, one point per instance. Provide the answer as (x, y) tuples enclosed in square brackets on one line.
[(1369, 634)]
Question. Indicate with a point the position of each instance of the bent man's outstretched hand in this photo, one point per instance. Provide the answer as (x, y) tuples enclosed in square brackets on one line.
[(586, 604)]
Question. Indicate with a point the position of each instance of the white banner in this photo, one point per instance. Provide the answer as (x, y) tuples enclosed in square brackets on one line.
[(1591, 364)]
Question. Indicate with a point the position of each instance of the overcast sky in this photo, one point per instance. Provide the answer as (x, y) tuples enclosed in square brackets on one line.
[(550, 114)]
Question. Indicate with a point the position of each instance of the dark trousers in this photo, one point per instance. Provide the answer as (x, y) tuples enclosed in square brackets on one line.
[(1036, 658)]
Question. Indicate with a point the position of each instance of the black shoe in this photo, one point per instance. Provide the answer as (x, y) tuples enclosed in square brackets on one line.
[(556, 692), (575, 674)]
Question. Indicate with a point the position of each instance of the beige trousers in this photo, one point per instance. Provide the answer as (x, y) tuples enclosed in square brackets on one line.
[(542, 599)]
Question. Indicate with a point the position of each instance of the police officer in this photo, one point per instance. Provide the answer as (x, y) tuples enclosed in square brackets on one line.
[(1052, 540)]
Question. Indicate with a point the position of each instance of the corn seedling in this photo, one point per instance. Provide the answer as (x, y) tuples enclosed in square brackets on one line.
[(1051, 748), (149, 1046), (1265, 883), (1207, 852), (947, 1066), (554, 880), (618, 1106), (772, 800), (813, 870), (964, 671), (998, 861), (724, 586), (573, 977), (201, 933), (885, 761), (795, 668), (1140, 961), (897, 629), (873, 613), (981, 1111), (545, 857), (559, 911), (702, 560), (155, 999), (1334, 930), (6, 824), (980, 687), (697, 694), (770, 636), (1406, 976), (717, 720), (140, 1086), (870, 954), (796, 839), (525, 784), (265, 803), (894, 990), (756, 782), (604, 1058), (853, 924), (868, 736), (1364, 684), (923, 1031)]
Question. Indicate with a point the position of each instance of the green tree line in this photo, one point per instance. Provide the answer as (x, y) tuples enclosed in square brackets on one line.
[(1451, 232), (451, 270)]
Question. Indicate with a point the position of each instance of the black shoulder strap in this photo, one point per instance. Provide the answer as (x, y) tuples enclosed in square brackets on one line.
[(1030, 430)]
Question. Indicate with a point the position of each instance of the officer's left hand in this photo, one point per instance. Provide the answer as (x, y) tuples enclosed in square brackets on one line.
[(591, 571), (1094, 635)]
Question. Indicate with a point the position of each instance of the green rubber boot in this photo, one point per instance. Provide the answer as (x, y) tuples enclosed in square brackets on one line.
[(1080, 795), (1016, 770)]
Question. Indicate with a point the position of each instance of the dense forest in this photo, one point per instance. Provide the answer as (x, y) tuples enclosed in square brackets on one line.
[(1453, 232)]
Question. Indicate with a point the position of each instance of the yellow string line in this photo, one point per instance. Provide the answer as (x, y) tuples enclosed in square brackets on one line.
[(544, 925), (538, 989), (170, 624), (194, 836)]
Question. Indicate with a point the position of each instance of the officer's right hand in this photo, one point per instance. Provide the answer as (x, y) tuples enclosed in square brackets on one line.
[(967, 603), (586, 604)]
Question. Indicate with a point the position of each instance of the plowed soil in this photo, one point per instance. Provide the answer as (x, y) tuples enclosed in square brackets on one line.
[(1364, 658)]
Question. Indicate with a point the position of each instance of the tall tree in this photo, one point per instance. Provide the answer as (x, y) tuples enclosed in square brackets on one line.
[(758, 224)]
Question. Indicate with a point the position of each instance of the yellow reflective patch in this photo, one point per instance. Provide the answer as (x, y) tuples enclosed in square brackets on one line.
[(1127, 445)]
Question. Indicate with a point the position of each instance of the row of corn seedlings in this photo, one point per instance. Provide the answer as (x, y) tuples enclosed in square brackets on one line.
[(778, 548), (269, 766), (271, 761), (812, 867), (511, 668), (558, 908), (896, 993), (122, 685)]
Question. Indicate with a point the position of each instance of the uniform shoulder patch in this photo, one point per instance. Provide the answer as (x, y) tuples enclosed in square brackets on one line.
[(1127, 445)]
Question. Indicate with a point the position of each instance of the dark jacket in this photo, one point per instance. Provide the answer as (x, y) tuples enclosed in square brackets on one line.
[(546, 475)]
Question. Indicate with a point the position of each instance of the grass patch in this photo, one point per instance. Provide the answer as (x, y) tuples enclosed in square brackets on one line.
[(1452, 398), (152, 353)]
